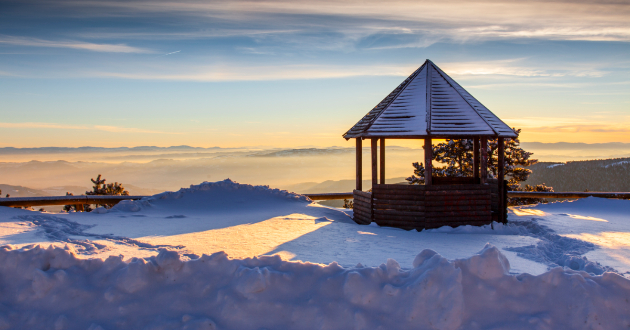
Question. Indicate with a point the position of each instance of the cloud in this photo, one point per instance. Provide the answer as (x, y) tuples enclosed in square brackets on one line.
[(113, 129), (344, 25), (523, 68), (8, 74), (568, 125), (604, 128), (35, 42), (239, 72), (509, 67), (454, 19), (235, 71)]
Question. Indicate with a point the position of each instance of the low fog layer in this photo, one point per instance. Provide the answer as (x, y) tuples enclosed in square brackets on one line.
[(149, 170)]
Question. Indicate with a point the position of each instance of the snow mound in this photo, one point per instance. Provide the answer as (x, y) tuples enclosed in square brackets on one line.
[(51, 288), (552, 249), (213, 196)]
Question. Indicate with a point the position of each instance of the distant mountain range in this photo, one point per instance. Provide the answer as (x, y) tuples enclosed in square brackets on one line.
[(281, 152), (304, 152), (61, 150), (335, 186), (21, 191), (575, 146)]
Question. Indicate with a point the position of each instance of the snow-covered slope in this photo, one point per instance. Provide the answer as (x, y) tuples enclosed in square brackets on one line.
[(52, 289), (234, 256), (595, 229), (245, 221)]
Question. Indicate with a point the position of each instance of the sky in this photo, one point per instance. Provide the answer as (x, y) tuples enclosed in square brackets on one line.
[(300, 73)]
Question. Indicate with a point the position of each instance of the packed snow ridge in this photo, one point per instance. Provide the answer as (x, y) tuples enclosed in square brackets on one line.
[(52, 289)]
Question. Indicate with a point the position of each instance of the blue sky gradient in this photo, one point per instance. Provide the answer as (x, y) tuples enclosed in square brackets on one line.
[(296, 73)]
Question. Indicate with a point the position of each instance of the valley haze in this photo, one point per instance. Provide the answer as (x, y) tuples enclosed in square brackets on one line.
[(146, 170)]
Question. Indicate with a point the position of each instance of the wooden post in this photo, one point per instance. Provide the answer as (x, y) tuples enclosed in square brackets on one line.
[(501, 177), (80, 208), (382, 160), (359, 164), (484, 160), (374, 162), (476, 158), (428, 161)]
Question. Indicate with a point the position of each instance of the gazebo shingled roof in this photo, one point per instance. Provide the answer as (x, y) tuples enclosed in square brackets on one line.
[(429, 104)]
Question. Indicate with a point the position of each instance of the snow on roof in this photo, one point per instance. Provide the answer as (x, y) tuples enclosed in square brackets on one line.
[(429, 103)]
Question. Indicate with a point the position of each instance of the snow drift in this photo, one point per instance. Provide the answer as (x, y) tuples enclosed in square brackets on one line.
[(220, 196), (52, 289)]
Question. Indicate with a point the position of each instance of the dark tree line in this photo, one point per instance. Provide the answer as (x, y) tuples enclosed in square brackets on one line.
[(591, 175)]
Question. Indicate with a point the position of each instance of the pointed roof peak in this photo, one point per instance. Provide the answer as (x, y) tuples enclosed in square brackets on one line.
[(429, 103)]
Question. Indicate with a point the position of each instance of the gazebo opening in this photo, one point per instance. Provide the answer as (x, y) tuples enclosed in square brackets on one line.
[(430, 105)]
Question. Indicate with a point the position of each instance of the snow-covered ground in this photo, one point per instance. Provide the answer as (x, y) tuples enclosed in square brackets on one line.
[(274, 260)]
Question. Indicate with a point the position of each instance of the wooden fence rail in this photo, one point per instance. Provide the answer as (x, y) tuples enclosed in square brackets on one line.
[(64, 200), (329, 196), (111, 200), (522, 194), (568, 194)]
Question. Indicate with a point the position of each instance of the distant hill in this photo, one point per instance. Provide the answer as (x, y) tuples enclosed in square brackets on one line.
[(62, 190), (63, 150), (594, 175), (575, 146), (330, 186), (20, 191), (304, 152)]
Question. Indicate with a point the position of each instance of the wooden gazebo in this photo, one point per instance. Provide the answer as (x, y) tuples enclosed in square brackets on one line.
[(431, 105)]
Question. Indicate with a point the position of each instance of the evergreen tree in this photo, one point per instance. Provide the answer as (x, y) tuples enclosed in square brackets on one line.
[(101, 189), (457, 155), (110, 189)]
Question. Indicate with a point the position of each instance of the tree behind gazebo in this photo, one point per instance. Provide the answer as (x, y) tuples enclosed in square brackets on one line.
[(457, 155)]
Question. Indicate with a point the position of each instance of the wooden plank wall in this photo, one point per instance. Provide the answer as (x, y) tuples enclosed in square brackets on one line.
[(399, 206), (362, 207), (424, 207), (457, 205), (457, 180)]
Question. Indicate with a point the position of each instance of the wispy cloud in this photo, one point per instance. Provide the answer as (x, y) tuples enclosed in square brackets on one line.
[(522, 68), (239, 72), (552, 125), (35, 42), (112, 129), (453, 19), (580, 129), (171, 53), (8, 74)]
